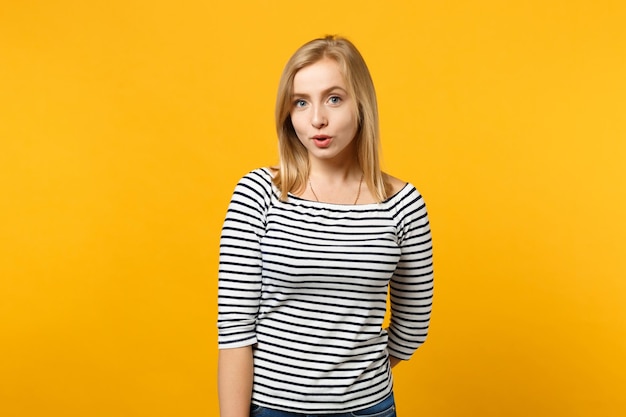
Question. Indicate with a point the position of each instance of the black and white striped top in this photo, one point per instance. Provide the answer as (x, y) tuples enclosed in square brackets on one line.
[(307, 283)]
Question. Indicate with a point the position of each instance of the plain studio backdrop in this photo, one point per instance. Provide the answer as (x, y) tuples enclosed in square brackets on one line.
[(124, 126)]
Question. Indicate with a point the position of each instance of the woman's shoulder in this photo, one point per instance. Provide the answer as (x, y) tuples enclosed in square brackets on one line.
[(266, 173), (400, 190), (406, 201), (393, 185), (257, 179), (255, 187)]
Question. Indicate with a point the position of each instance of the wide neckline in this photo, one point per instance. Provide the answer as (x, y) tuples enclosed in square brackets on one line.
[(348, 205), (293, 197)]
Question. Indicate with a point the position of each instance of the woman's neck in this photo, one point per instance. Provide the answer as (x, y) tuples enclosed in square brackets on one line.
[(333, 183), (335, 174)]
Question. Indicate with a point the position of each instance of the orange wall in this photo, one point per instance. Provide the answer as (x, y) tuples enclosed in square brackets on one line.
[(125, 125)]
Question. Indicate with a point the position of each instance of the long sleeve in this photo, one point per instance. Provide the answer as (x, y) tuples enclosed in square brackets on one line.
[(239, 287), (411, 287)]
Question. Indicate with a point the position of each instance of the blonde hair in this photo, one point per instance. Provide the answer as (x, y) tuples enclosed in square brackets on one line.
[(293, 170)]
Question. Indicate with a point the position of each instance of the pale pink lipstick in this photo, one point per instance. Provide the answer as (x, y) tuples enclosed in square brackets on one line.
[(322, 141)]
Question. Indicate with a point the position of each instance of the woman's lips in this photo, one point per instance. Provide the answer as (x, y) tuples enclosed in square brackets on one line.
[(322, 141)]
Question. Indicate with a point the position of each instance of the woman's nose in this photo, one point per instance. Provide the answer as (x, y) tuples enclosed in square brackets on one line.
[(318, 119)]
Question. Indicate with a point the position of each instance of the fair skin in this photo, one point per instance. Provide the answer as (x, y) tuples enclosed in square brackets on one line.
[(325, 121), (324, 117), (234, 381)]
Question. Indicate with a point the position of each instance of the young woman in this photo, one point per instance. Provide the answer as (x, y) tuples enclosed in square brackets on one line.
[(310, 249)]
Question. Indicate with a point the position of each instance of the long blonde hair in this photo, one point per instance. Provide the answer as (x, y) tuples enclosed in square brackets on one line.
[(294, 167)]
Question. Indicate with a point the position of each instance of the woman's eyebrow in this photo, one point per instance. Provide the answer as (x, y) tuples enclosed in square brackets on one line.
[(325, 92)]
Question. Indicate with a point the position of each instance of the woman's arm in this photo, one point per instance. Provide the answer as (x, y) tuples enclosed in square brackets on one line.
[(234, 381), (411, 286), (239, 291)]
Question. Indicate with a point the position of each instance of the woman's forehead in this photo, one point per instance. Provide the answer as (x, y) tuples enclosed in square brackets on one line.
[(321, 75)]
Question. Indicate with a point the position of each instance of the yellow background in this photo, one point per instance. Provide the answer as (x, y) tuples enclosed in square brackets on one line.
[(124, 126)]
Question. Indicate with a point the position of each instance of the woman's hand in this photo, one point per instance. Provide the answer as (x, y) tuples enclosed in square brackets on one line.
[(393, 361)]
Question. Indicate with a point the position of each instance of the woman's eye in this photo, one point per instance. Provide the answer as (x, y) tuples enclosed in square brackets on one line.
[(300, 103), (334, 100)]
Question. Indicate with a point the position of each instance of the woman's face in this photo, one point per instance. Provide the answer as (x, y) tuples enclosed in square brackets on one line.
[(322, 113)]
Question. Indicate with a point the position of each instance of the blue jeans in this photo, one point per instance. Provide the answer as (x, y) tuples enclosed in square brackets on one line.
[(385, 408)]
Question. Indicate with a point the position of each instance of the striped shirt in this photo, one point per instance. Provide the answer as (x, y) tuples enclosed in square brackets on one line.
[(306, 282)]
